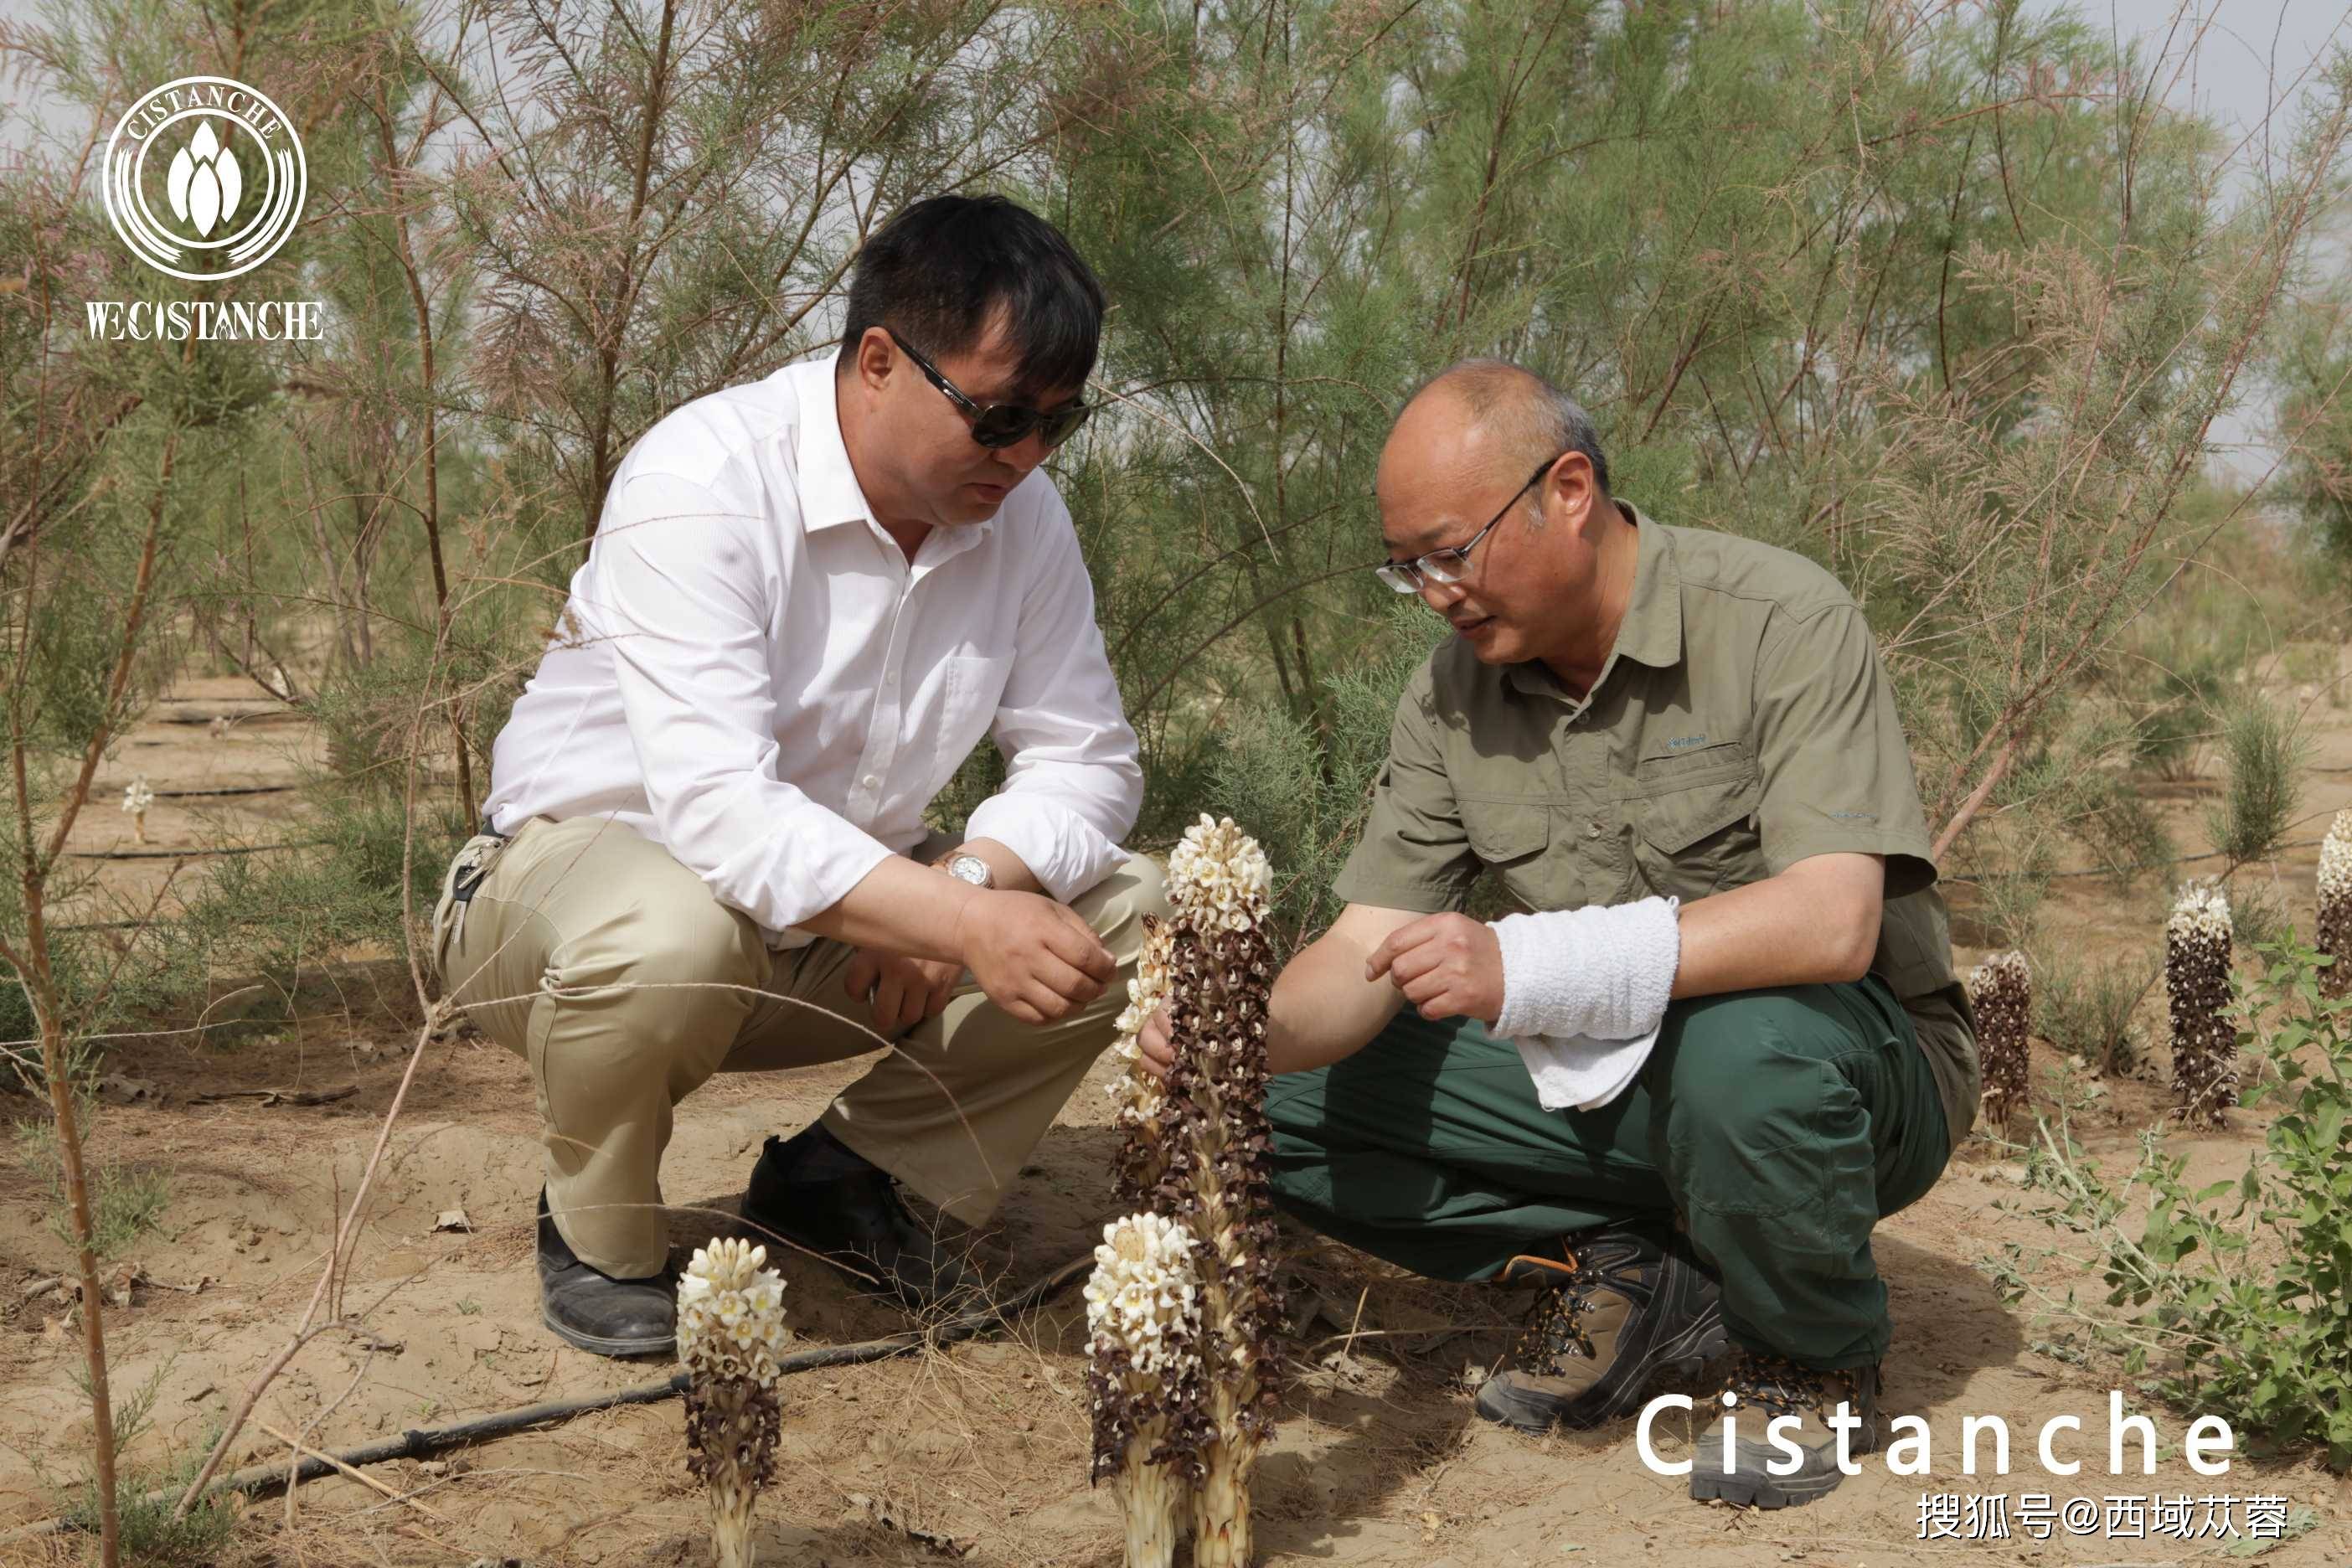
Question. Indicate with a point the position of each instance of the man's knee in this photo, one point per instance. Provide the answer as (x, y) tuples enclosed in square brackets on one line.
[(1751, 1107), (678, 973)]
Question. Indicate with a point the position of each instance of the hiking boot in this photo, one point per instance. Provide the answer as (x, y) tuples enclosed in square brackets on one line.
[(588, 1308), (1619, 1310), (814, 1191), (1767, 1387)]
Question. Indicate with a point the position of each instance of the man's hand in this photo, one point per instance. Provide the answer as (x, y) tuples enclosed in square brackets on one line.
[(1448, 966), (1034, 957), (904, 991), (1157, 1043)]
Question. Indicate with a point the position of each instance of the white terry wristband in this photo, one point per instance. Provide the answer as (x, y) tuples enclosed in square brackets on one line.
[(1606, 974)]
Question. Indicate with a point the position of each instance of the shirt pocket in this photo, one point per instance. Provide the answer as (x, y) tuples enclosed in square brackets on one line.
[(1512, 837), (1695, 818), (972, 687)]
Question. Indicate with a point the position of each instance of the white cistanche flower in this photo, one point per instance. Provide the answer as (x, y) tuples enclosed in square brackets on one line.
[(2334, 932), (136, 800), (731, 1312), (2335, 857), (2203, 910), (1145, 1291), (1143, 1315), (1219, 877), (1135, 1090)]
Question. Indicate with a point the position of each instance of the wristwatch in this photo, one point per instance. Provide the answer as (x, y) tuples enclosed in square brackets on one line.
[(968, 868)]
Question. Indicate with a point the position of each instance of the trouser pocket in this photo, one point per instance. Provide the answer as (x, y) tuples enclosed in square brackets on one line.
[(468, 869)]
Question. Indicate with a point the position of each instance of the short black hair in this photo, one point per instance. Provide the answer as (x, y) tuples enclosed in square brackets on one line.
[(935, 273)]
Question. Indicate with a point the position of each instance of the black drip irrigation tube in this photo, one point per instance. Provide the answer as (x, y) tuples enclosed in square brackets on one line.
[(422, 1444)]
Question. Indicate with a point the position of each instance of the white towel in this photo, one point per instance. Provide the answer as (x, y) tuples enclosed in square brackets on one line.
[(1585, 992)]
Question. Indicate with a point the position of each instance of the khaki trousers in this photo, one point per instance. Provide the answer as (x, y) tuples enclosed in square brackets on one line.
[(610, 968)]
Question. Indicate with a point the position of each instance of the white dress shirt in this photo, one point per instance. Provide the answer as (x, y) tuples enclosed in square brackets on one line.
[(756, 679)]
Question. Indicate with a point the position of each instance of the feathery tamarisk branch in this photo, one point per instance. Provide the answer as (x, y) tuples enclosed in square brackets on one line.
[(2001, 991), (731, 1333), (2336, 906), (2197, 983), (1221, 971), (1143, 1322)]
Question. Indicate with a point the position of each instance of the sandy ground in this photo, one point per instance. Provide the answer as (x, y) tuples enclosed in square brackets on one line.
[(977, 1450)]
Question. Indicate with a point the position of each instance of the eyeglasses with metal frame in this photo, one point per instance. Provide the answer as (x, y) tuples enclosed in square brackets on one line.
[(1451, 565)]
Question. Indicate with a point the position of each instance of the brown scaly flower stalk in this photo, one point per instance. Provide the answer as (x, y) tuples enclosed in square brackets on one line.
[(1143, 1322), (2001, 990), (2197, 983), (731, 1332), (2336, 906), (1143, 1113), (1221, 970)]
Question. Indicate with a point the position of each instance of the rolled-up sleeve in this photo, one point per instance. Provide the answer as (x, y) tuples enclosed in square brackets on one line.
[(1074, 780), (689, 640)]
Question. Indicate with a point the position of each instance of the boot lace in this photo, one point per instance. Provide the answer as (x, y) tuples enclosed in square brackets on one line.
[(1776, 1383), (1554, 1328)]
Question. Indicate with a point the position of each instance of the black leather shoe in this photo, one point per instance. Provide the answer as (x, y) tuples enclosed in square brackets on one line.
[(815, 1192), (590, 1309)]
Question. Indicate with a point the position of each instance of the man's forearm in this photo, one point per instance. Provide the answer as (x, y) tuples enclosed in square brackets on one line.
[(901, 906), (1322, 1008), (905, 907), (1816, 921)]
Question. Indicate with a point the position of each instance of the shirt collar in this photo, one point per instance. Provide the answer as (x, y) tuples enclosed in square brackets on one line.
[(1652, 631), (830, 494)]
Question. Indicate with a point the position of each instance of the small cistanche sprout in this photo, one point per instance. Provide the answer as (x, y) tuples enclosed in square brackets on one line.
[(136, 800), (2000, 993), (730, 1336), (2196, 939)]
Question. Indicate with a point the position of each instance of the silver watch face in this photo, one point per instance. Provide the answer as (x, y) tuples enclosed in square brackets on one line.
[(968, 868)]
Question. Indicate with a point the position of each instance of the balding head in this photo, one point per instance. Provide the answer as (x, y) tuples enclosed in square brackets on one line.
[(1514, 418)]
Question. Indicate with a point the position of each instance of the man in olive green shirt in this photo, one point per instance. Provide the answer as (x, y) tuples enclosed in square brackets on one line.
[(1677, 749)]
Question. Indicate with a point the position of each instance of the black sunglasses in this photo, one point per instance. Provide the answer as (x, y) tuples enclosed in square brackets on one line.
[(996, 425)]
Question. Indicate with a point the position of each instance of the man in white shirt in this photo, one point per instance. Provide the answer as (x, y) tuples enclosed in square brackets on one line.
[(807, 600)]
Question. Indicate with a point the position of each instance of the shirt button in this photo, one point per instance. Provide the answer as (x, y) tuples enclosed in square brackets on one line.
[(872, 781), (1592, 830)]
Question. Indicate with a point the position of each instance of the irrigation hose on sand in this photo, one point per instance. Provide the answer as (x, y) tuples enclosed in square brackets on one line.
[(424, 1444)]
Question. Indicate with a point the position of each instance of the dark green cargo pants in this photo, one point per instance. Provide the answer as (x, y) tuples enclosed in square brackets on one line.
[(1779, 1126)]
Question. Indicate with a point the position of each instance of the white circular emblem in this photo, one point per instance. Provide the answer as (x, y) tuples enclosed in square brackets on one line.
[(226, 168)]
